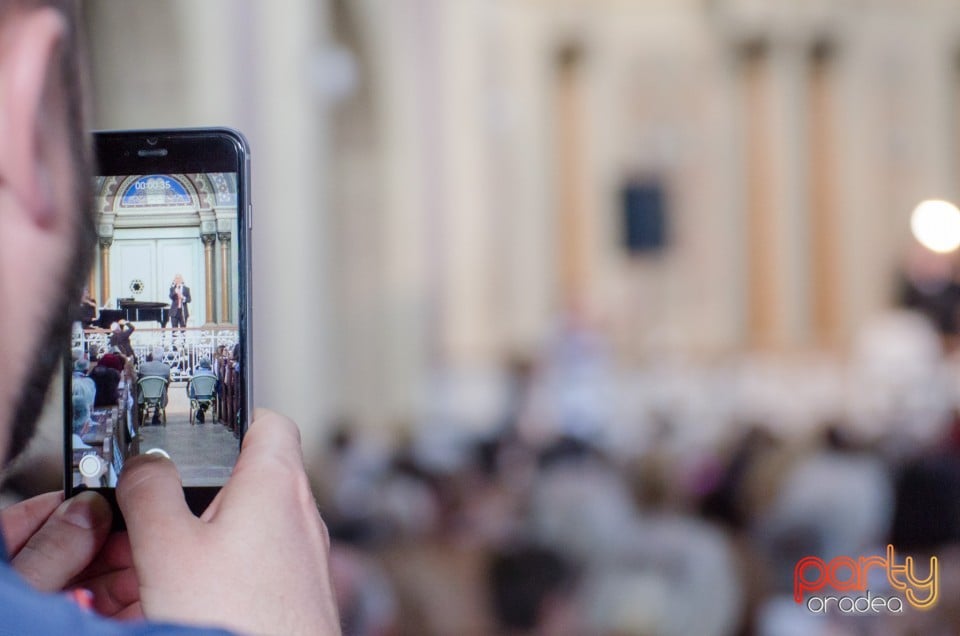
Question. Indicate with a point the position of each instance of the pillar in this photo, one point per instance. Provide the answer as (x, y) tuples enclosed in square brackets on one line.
[(824, 254), (105, 243), (92, 282), (208, 240), (572, 230), (777, 190), (761, 266), (224, 238)]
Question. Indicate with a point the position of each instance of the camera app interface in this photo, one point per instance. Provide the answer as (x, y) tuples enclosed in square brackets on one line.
[(156, 349)]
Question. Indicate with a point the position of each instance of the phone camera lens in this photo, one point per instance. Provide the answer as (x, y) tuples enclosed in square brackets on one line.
[(152, 141)]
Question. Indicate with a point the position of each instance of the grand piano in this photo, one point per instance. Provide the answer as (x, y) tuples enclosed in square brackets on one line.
[(135, 311)]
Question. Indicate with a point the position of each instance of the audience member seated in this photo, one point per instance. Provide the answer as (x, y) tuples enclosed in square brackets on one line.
[(81, 403), (113, 359), (82, 382), (107, 382), (155, 367), (203, 369), (364, 593), (531, 590), (93, 354)]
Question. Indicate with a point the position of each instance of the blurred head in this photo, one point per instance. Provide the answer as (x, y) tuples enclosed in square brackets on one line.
[(178, 279), (205, 363), (927, 509), (527, 584), (46, 222)]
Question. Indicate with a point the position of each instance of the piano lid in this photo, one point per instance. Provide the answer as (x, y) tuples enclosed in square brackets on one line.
[(124, 303)]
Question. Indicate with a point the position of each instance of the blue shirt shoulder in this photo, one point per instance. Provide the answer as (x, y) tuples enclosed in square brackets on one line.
[(26, 612)]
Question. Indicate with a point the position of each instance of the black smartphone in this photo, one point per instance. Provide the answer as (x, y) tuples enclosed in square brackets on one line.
[(159, 358)]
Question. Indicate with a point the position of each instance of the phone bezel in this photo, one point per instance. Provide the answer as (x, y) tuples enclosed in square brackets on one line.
[(188, 150)]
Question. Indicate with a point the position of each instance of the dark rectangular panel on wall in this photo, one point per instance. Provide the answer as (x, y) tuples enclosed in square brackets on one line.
[(644, 211)]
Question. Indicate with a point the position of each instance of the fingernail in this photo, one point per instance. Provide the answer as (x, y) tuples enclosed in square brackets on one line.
[(151, 457), (87, 510)]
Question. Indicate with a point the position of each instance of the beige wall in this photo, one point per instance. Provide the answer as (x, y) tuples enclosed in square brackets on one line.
[(415, 226)]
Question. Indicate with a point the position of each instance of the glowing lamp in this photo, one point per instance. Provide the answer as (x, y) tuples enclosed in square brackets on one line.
[(936, 225)]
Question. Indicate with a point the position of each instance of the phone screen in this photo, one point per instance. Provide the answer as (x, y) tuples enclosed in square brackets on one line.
[(157, 356)]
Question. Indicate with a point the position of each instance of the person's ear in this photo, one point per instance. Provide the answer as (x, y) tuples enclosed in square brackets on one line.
[(29, 49)]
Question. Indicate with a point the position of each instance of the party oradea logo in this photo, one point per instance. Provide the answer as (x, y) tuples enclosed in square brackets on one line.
[(841, 584)]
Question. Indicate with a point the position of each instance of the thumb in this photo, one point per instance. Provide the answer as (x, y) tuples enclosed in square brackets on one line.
[(66, 543), (150, 496)]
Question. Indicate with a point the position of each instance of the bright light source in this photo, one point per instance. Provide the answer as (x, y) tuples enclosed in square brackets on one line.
[(936, 225)]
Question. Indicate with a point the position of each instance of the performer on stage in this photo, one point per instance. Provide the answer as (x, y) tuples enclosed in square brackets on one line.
[(179, 301)]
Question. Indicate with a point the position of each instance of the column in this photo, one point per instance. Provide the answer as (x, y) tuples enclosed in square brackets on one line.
[(224, 238), (105, 243), (777, 194), (789, 64), (761, 255), (824, 249), (92, 282), (208, 240), (572, 222)]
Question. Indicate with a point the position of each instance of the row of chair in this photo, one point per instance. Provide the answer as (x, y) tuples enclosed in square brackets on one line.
[(152, 392)]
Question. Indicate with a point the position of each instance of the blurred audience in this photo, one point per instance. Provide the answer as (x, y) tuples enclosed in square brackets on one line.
[(542, 526)]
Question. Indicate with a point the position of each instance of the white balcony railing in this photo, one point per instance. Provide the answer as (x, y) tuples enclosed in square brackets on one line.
[(182, 349)]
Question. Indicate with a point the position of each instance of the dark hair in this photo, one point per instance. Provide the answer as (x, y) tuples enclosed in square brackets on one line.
[(521, 579), (927, 506)]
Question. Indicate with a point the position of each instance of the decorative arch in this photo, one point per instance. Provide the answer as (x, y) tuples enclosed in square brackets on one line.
[(157, 190)]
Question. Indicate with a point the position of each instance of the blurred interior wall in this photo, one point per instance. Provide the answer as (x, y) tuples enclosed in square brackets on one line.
[(790, 138), (463, 194)]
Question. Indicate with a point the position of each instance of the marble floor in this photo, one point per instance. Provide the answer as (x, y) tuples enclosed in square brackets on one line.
[(204, 453)]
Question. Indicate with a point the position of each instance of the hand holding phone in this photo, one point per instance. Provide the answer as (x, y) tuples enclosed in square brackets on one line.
[(256, 561), (170, 205)]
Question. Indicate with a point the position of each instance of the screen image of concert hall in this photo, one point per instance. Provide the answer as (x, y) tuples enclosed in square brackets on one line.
[(156, 360)]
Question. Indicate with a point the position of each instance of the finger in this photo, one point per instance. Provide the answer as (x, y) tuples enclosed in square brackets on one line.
[(150, 497), (211, 510), (22, 520), (269, 470), (114, 555), (270, 426), (66, 543), (112, 578), (114, 591), (261, 418), (133, 612)]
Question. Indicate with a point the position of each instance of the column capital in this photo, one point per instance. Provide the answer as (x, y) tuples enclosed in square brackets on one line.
[(208, 239), (223, 237), (105, 241)]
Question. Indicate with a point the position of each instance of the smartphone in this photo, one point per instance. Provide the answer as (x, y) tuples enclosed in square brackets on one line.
[(159, 358)]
